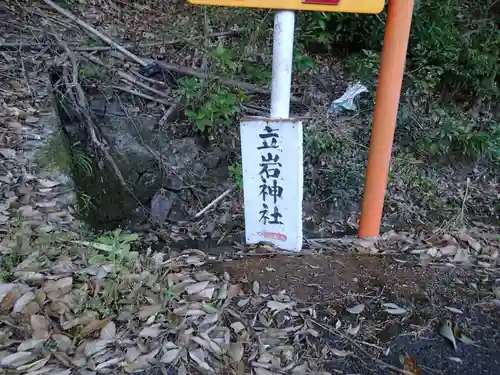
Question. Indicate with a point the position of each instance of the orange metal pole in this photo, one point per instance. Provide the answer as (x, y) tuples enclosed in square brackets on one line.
[(397, 33)]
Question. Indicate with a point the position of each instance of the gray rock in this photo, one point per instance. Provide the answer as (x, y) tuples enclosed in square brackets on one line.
[(157, 166), (161, 204)]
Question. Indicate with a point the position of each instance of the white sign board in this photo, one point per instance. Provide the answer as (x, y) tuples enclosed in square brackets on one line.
[(273, 181)]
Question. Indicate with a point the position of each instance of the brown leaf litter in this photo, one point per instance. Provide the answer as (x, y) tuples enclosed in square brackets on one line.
[(184, 311)]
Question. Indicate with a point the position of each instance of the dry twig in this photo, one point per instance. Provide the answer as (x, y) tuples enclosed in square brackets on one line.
[(131, 79), (97, 33), (214, 202), (141, 95), (360, 348), (224, 81), (171, 67), (80, 98)]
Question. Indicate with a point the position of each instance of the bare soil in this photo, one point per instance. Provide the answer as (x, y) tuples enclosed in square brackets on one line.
[(337, 282)]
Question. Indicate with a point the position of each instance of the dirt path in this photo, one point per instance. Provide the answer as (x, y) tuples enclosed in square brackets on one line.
[(430, 296)]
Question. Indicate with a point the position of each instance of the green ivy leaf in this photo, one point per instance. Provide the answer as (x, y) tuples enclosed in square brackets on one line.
[(97, 259)]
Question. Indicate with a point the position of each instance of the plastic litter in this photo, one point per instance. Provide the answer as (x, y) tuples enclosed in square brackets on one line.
[(346, 101)]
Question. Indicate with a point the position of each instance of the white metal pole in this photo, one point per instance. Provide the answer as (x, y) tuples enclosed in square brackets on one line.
[(284, 25)]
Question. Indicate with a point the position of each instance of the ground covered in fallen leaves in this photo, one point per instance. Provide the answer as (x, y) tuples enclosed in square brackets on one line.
[(74, 303), (73, 306)]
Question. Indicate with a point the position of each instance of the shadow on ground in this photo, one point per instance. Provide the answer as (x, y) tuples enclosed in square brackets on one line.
[(430, 296)]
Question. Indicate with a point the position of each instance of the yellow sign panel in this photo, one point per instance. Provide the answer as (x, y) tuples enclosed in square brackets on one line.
[(348, 6)]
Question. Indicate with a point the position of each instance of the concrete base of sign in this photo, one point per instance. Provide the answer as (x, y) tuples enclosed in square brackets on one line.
[(272, 157)]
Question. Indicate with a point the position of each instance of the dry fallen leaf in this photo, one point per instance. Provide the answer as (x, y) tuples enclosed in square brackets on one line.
[(151, 332), (237, 327), (236, 350), (23, 301), (340, 353), (242, 302), (279, 306), (95, 346), (256, 287), (449, 250), (471, 241), (353, 331), (198, 356), (358, 309), (108, 331), (92, 327), (62, 342), (170, 356), (40, 326), (56, 289), (262, 371), (147, 311), (300, 369), (393, 309), (17, 359), (466, 340), (32, 367), (454, 310), (30, 344), (87, 317), (447, 332), (496, 291), (182, 370), (462, 256), (234, 291), (31, 120), (197, 287)]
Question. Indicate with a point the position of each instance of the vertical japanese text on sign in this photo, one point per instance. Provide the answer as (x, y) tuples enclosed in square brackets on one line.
[(273, 181), (269, 173)]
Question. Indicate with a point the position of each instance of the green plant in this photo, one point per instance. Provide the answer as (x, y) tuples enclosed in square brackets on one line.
[(365, 65), (461, 135), (256, 73), (302, 62), (82, 162), (454, 46), (189, 88), (236, 172), (115, 245), (317, 144), (84, 203), (218, 109), (224, 57), (55, 156), (92, 72), (336, 31)]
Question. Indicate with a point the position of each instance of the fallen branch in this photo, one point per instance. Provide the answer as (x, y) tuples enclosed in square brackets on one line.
[(359, 347), (38, 46), (80, 98), (168, 115), (226, 82), (97, 33), (141, 95), (150, 80), (171, 67), (127, 77), (214, 202)]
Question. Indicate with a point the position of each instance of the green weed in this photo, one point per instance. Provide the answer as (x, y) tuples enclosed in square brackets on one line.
[(317, 144), (115, 246), (218, 110), (463, 136), (236, 172), (302, 62)]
